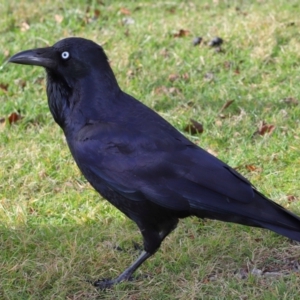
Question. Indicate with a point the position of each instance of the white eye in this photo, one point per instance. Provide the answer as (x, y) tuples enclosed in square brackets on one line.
[(65, 55)]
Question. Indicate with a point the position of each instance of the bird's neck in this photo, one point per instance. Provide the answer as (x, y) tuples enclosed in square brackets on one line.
[(90, 98), (58, 93)]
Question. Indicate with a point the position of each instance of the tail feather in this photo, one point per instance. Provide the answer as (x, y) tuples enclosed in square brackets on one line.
[(261, 212)]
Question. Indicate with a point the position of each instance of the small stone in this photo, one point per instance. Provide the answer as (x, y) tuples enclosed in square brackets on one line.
[(215, 42), (197, 41)]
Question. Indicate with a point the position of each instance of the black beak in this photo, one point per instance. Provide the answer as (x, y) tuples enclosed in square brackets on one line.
[(43, 57)]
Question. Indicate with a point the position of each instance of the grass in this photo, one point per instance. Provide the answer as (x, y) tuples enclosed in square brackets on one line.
[(56, 232)]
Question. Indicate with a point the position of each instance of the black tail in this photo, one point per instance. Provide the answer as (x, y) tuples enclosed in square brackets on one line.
[(278, 219), (261, 212)]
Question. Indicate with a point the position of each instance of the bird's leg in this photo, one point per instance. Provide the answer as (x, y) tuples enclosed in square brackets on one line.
[(106, 283), (152, 239)]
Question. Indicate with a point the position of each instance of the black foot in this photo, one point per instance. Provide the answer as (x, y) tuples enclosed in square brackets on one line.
[(107, 283), (103, 284), (125, 276)]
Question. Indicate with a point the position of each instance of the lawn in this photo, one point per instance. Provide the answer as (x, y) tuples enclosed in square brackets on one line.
[(57, 233)]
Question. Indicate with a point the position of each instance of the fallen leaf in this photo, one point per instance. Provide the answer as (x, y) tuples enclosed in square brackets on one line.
[(290, 101), (227, 104), (171, 10), (252, 168), (97, 13), (185, 76), (173, 90), (237, 71), (181, 33), (126, 33), (14, 117), (161, 90), (125, 11), (194, 127), (4, 86), (173, 77), (264, 128), (164, 52), (291, 198), (227, 64), (190, 103), (58, 18), (258, 240)]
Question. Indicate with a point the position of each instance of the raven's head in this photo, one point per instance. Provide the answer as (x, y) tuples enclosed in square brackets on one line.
[(68, 58), (77, 70)]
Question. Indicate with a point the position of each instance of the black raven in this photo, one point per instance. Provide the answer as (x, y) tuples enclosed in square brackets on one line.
[(137, 160)]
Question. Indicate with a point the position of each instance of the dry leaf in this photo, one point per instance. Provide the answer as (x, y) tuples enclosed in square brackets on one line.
[(237, 71), (4, 86), (185, 76), (291, 198), (252, 168), (228, 103), (97, 13), (14, 117), (264, 128), (194, 127), (181, 33), (164, 52), (173, 90), (58, 18), (160, 90), (171, 10), (227, 64), (126, 33), (125, 11), (290, 101), (173, 77)]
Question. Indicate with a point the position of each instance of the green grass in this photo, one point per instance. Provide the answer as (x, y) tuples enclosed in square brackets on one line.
[(56, 232)]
